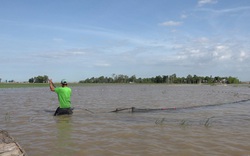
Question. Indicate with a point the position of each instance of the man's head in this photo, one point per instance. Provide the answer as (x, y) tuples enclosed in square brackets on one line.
[(64, 82)]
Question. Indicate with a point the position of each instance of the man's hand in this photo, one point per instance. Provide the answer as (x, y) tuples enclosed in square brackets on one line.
[(51, 85)]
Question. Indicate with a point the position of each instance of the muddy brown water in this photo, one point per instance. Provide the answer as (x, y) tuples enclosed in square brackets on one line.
[(208, 120)]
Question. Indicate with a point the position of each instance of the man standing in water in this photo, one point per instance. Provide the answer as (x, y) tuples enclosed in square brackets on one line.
[(64, 97)]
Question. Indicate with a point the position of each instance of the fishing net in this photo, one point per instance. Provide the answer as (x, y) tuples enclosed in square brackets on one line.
[(137, 110), (134, 110), (8, 145)]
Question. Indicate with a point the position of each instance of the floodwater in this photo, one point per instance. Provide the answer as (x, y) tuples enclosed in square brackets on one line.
[(208, 120)]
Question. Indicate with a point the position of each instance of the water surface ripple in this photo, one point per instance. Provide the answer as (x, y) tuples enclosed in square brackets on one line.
[(208, 120)]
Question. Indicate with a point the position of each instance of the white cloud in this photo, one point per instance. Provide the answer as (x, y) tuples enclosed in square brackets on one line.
[(221, 47), (102, 64), (171, 23), (62, 54), (58, 39), (209, 55), (243, 56), (204, 2), (183, 16), (239, 10)]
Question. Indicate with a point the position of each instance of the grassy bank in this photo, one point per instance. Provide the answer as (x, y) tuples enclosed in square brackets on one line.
[(32, 85), (22, 85)]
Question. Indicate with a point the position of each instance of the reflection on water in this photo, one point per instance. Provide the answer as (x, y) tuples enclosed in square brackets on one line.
[(63, 136), (209, 120)]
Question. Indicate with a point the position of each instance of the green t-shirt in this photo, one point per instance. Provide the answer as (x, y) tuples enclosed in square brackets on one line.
[(64, 96)]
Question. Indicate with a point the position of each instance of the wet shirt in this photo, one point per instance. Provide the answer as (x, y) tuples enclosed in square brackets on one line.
[(64, 94)]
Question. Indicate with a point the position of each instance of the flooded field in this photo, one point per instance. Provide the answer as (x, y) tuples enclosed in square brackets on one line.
[(206, 120)]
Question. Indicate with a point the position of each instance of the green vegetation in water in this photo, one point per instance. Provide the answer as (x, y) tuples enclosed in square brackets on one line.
[(184, 123), (7, 116), (208, 123), (159, 121)]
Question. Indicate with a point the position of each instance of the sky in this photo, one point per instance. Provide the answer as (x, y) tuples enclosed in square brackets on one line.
[(79, 39)]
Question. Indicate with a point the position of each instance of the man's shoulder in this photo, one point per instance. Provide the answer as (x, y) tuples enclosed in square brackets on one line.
[(65, 88), (58, 88), (68, 88), (61, 89)]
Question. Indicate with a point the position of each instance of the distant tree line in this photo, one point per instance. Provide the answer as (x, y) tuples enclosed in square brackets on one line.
[(170, 79), (7, 81), (39, 79)]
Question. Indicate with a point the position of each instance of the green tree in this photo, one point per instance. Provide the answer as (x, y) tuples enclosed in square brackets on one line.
[(189, 79), (165, 79), (39, 79), (132, 78), (233, 80), (158, 79), (31, 80)]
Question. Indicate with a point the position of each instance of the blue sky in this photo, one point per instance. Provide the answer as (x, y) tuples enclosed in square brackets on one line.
[(79, 39)]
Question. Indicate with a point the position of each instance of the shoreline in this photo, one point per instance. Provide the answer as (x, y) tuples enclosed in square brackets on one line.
[(33, 85)]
